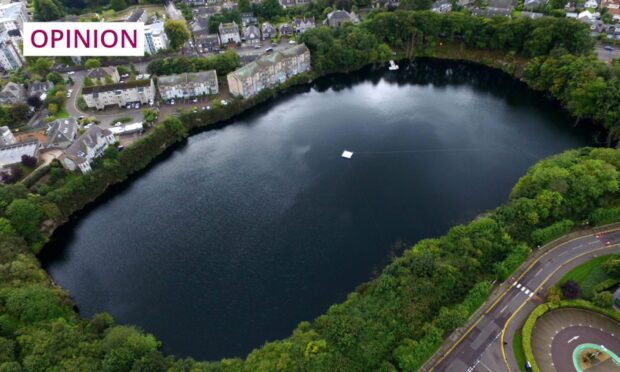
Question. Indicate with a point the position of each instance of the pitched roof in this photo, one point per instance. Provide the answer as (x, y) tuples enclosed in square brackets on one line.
[(101, 72), (135, 15), (118, 86), (178, 79), (267, 60), (78, 150), (61, 130)]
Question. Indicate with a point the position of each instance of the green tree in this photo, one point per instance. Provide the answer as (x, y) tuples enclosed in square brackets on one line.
[(244, 6), (92, 63), (612, 267), (118, 4), (20, 112), (177, 33), (47, 10), (41, 66), (25, 216)]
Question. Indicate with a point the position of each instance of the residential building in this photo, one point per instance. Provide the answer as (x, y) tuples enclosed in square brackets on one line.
[(286, 30), (269, 70), (39, 89), (229, 33), (12, 93), (138, 15), (188, 85), (532, 15), (613, 8), (206, 42), (13, 16), (11, 57), (591, 4), (61, 133), (339, 17), (87, 148), (251, 35), (155, 38), (6, 137), (120, 94), (287, 3), (103, 75), (302, 25), (441, 6), (492, 12), (12, 154), (248, 19), (268, 31)]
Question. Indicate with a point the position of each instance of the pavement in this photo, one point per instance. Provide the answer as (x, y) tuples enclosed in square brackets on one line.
[(606, 55), (487, 345)]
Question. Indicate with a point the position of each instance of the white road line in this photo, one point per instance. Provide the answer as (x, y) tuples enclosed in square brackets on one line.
[(487, 368), (538, 272), (518, 285), (531, 294), (503, 308)]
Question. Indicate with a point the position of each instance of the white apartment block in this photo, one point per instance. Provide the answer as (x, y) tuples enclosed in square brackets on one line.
[(6, 137), (87, 148), (269, 70), (120, 94), (11, 57), (13, 16), (155, 38), (188, 85)]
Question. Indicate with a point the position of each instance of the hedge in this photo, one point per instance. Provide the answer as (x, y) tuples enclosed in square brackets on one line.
[(539, 311), (604, 216), (552, 232), (514, 259)]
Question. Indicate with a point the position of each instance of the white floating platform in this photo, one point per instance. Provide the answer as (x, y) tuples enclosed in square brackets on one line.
[(347, 154)]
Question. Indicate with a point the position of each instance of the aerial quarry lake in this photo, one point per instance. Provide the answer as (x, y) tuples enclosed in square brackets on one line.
[(243, 231)]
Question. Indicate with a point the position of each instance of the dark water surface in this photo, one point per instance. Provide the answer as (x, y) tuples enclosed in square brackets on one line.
[(242, 232)]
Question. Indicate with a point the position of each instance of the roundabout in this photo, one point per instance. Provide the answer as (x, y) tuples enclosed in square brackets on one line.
[(576, 340)]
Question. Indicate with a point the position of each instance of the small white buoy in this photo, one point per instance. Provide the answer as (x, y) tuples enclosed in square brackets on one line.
[(347, 154)]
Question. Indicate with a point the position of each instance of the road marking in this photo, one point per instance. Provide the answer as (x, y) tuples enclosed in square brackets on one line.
[(485, 366), (503, 308), (503, 294), (503, 349), (518, 285), (538, 272), (573, 339)]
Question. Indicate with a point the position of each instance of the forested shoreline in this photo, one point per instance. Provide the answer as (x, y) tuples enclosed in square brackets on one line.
[(395, 321)]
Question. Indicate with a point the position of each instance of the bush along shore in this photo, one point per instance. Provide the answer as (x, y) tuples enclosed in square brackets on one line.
[(394, 322)]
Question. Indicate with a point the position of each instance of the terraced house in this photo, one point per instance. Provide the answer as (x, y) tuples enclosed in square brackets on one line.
[(120, 94), (269, 70), (188, 85)]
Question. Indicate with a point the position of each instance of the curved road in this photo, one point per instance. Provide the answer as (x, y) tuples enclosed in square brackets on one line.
[(562, 350), (487, 345)]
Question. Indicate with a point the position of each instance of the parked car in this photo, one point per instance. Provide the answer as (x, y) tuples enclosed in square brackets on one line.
[(224, 102), (257, 46), (609, 48), (195, 100), (70, 72)]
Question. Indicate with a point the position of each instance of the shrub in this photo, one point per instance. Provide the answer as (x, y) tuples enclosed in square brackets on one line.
[(603, 216), (29, 161), (570, 290), (603, 299)]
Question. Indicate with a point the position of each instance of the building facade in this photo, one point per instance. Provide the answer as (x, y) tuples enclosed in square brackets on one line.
[(12, 93), (87, 148), (188, 85), (155, 38), (269, 70), (229, 33), (121, 94), (6, 136), (13, 16), (11, 57)]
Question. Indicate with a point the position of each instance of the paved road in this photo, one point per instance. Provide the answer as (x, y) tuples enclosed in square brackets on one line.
[(562, 346), (606, 55), (482, 347)]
